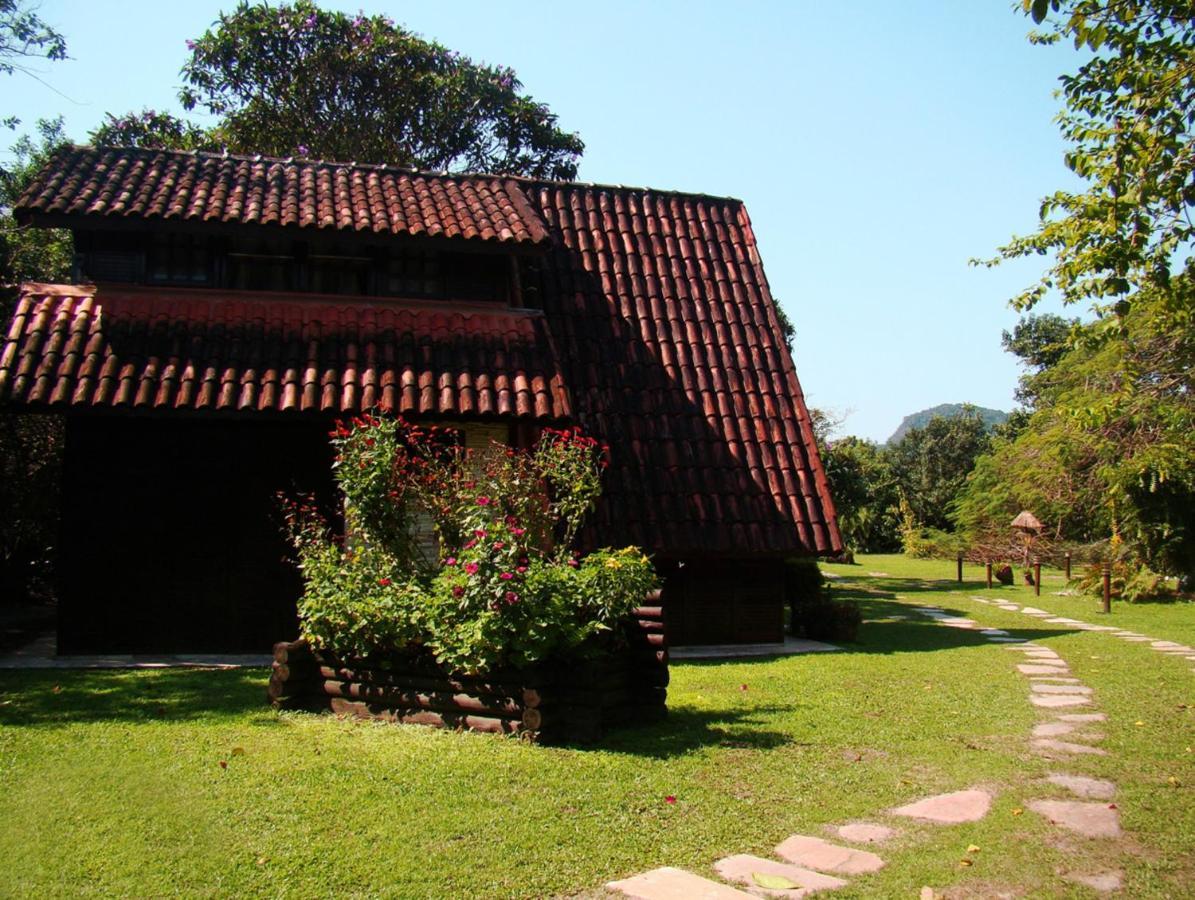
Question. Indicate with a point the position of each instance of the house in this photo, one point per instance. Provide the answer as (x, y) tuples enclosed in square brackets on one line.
[(226, 309)]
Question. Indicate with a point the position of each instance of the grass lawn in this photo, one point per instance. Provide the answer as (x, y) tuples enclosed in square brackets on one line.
[(113, 783)]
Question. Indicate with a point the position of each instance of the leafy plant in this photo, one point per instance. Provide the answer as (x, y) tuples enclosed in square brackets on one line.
[(506, 588)]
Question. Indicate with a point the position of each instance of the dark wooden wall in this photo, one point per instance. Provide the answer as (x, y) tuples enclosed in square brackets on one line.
[(171, 539), (724, 601)]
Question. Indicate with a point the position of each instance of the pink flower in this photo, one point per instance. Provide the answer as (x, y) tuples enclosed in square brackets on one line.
[(670, 799), (498, 545), (479, 532), (451, 561), (506, 576), (471, 568), (521, 569), (458, 591), (574, 563), (470, 545), (511, 520), (512, 597), (483, 501), (518, 531)]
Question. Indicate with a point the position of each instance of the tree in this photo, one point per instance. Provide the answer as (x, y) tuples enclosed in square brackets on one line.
[(1110, 448), (865, 494), (295, 80), (27, 253), (931, 464), (24, 36), (1128, 120), (1039, 342), (153, 130)]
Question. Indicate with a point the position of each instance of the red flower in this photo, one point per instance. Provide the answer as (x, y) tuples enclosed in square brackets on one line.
[(471, 544), (518, 531), (498, 545), (479, 532), (483, 501), (458, 591), (511, 520), (471, 568), (512, 598), (384, 582), (670, 799), (521, 569), (506, 576)]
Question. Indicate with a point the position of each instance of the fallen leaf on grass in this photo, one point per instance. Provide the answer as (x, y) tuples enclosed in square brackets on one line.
[(964, 863), (261, 860), (773, 882), (972, 849), (1017, 811), (223, 764), (670, 799), (238, 751), (1138, 722)]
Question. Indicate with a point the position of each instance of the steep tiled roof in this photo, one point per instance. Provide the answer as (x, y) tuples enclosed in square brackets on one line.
[(670, 344), (209, 188), (203, 350), (659, 334)]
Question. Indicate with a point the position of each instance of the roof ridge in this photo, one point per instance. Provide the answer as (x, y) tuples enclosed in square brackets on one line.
[(409, 170)]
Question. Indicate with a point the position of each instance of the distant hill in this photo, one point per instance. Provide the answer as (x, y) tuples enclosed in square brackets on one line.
[(920, 419)]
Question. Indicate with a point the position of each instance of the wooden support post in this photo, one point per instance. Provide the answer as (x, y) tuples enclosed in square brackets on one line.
[(1067, 558), (1036, 577), (960, 567), (1107, 587), (989, 576)]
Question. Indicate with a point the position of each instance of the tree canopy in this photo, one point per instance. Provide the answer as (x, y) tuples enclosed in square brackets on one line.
[(1128, 117), (296, 80), (24, 36)]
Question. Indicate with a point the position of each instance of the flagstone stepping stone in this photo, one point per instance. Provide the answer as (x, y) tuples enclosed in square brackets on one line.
[(994, 631), (1087, 788), (1011, 607), (667, 883), (1094, 820), (1137, 640), (1101, 883), (949, 809), (1059, 620), (1166, 645), (1128, 634), (1060, 688), (1042, 654), (1084, 717), (877, 574), (1046, 679), (743, 869), (1031, 611), (865, 832), (818, 854), (1067, 747), (1053, 729), (1055, 701), (1040, 668)]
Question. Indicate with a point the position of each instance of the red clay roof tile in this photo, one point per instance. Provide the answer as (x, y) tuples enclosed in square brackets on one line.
[(191, 349), (153, 185)]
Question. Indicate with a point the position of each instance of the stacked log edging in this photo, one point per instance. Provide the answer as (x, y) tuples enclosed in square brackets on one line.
[(609, 684)]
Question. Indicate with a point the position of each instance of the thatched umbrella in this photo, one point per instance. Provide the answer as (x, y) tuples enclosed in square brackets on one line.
[(1029, 525)]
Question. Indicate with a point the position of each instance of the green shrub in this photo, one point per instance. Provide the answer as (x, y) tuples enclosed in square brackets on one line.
[(922, 542), (1132, 581), (506, 591), (827, 619)]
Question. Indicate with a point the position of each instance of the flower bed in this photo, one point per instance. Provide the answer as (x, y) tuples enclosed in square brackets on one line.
[(505, 601), (611, 683)]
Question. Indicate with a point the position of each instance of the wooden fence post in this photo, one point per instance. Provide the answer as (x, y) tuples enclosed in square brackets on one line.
[(1068, 565), (1036, 577), (1107, 587), (960, 567), (989, 576)]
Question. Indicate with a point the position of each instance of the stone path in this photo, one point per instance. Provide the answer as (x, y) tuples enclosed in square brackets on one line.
[(807, 864)]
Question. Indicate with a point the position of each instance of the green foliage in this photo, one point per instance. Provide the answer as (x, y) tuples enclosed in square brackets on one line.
[(865, 494), (1039, 342), (24, 35), (26, 253), (30, 458), (1131, 582), (153, 130), (991, 417), (924, 542), (294, 79), (931, 464), (1127, 117), (506, 590), (1110, 448)]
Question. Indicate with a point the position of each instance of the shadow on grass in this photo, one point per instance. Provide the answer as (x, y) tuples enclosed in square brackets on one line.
[(58, 698), (686, 730)]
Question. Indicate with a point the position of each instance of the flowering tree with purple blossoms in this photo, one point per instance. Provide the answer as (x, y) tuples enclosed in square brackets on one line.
[(296, 80)]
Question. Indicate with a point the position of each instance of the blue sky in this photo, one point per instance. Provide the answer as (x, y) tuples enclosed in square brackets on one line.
[(878, 146)]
